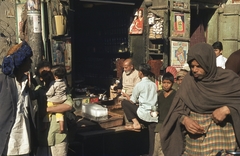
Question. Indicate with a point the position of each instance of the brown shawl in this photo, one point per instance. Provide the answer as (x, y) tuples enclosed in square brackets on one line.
[(233, 62), (219, 88)]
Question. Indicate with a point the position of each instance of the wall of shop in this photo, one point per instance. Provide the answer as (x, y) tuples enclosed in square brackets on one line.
[(98, 32), (7, 26)]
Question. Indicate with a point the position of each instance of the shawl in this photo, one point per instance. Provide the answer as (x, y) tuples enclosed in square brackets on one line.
[(233, 62), (218, 88)]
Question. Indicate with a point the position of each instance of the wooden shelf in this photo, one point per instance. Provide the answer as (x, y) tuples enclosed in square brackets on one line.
[(160, 54), (156, 39)]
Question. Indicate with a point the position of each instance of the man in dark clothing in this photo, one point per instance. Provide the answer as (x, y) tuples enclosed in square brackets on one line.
[(16, 109), (200, 120)]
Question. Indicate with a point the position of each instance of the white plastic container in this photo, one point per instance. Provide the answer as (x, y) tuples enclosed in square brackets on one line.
[(94, 112)]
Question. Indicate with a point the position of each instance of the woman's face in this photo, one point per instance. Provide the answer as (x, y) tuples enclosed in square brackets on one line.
[(140, 14), (44, 69)]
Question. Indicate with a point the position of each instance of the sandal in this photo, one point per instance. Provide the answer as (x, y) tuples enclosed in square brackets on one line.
[(131, 128)]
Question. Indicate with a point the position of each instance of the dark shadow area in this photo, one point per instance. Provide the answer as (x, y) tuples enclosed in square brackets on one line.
[(92, 140)]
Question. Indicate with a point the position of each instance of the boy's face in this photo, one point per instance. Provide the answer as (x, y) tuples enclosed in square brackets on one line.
[(167, 85), (217, 52), (179, 80)]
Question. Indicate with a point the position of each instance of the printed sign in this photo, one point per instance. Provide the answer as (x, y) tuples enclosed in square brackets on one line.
[(179, 51), (137, 25)]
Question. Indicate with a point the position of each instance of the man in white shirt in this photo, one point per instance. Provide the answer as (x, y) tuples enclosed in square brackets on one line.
[(218, 49), (145, 93)]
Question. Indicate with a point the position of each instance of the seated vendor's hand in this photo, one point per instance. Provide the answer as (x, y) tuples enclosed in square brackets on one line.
[(192, 126), (220, 114), (126, 95)]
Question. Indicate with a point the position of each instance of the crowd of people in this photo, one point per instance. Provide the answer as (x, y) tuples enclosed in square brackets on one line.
[(198, 108), (195, 113), (23, 128)]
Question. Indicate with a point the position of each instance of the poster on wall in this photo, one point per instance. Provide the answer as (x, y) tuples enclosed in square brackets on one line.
[(62, 54), (179, 51), (137, 24), (178, 25), (37, 28), (180, 5)]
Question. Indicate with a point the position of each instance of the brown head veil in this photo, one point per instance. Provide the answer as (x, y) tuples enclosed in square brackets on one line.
[(233, 62), (218, 88)]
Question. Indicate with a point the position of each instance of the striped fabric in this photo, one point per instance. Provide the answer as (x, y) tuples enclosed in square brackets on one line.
[(214, 139)]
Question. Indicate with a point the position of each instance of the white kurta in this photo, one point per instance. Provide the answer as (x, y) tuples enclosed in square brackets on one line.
[(221, 60), (19, 141)]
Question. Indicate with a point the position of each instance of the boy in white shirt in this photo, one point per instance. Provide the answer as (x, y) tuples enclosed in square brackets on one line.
[(220, 60)]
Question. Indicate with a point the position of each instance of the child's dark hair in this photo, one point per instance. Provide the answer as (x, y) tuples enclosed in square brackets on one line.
[(168, 76), (217, 45), (59, 71), (145, 69)]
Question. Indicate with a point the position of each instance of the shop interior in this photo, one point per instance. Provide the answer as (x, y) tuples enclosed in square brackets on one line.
[(101, 36)]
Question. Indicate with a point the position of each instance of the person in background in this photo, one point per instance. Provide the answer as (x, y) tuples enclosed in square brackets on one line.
[(173, 71), (145, 93), (205, 113), (17, 112), (165, 98), (51, 142), (218, 49), (180, 75), (233, 62)]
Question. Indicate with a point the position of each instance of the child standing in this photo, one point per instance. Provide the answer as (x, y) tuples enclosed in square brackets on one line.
[(218, 49), (56, 93), (165, 98)]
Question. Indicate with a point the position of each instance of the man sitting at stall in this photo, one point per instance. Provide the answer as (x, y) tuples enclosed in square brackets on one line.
[(129, 79)]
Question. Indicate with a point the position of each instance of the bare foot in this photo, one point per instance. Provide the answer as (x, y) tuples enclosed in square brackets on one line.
[(136, 126), (130, 128)]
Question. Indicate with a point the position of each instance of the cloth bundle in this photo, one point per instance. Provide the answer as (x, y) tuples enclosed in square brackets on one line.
[(10, 62)]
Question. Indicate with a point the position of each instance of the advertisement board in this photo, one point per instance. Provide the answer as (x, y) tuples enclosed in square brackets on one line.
[(179, 51)]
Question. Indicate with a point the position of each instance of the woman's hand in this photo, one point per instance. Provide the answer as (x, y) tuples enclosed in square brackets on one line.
[(220, 114), (192, 126)]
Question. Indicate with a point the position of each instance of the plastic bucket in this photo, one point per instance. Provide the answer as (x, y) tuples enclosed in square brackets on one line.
[(60, 22)]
